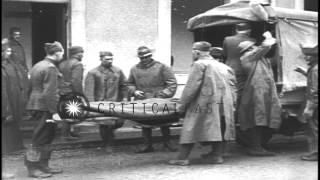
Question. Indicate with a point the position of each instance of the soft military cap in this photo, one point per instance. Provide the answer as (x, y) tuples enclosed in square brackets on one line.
[(201, 46), (51, 48), (14, 29), (309, 49), (75, 49), (144, 51), (216, 52), (107, 54), (244, 45), (243, 26)]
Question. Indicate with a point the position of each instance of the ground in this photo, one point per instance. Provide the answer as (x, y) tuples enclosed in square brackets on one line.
[(124, 164)]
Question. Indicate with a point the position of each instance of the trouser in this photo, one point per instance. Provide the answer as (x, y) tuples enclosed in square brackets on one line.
[(39, 153), (312, 133), (256, 136), (65, 129), (11, 137), (107, 132), (147, 135)]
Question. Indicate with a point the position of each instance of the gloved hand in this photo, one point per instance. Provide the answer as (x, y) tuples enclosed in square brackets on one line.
[(139, 94), (307, 113), (56, 117), (269, 41), (301, 70)]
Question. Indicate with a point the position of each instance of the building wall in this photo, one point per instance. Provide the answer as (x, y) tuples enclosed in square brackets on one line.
[(19, 15), (120, 27)]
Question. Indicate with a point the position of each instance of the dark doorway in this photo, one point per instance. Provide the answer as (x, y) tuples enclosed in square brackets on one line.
[(215, 35), (48, 25), (311, 5)]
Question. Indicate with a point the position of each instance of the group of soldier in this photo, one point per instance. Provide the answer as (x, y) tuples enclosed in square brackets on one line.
[(240, 90)]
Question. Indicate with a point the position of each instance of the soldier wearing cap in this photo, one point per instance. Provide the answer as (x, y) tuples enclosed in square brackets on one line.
[(42, 103), (18, 54), (18, 57), (106, 83), (232, 55), (72, 71), (152, 79), (310, 112), (217, 53), (259, 109), (207, 101)]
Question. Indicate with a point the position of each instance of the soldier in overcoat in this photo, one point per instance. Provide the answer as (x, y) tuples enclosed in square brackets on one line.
[(106, 83), (208, 102), (152, 79), (18, 57), (259, 107), (72, 71), (12, 98)]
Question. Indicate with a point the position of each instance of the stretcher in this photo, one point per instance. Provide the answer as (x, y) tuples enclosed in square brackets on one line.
[(75, 108)]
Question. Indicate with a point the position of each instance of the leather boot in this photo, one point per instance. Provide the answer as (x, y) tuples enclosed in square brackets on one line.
[(166, 139), (66, 133), (256, 149), (215, 156), (44, 162), (147, 135), (32, 161), (182, 159), (109, 140), (36, 173)]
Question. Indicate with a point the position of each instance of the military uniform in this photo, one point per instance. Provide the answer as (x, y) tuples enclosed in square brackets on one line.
[(312, 102), (72, 71), (42, 103), (11, 104), (18, 54), (155, 80), (232, 54), (311, 110), (106, 84)]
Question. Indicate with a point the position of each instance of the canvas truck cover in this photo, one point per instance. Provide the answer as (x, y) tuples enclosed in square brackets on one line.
[(292, 28)]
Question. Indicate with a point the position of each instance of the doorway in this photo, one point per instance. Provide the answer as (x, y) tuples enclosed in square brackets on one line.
[(49, 22)]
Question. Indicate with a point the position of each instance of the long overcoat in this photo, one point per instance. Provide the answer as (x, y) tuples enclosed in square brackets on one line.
[(10, 104), (18, 54), (208, 95), (260, 104)]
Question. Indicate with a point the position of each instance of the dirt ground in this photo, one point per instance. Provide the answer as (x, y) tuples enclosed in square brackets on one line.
[(124, 164)]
